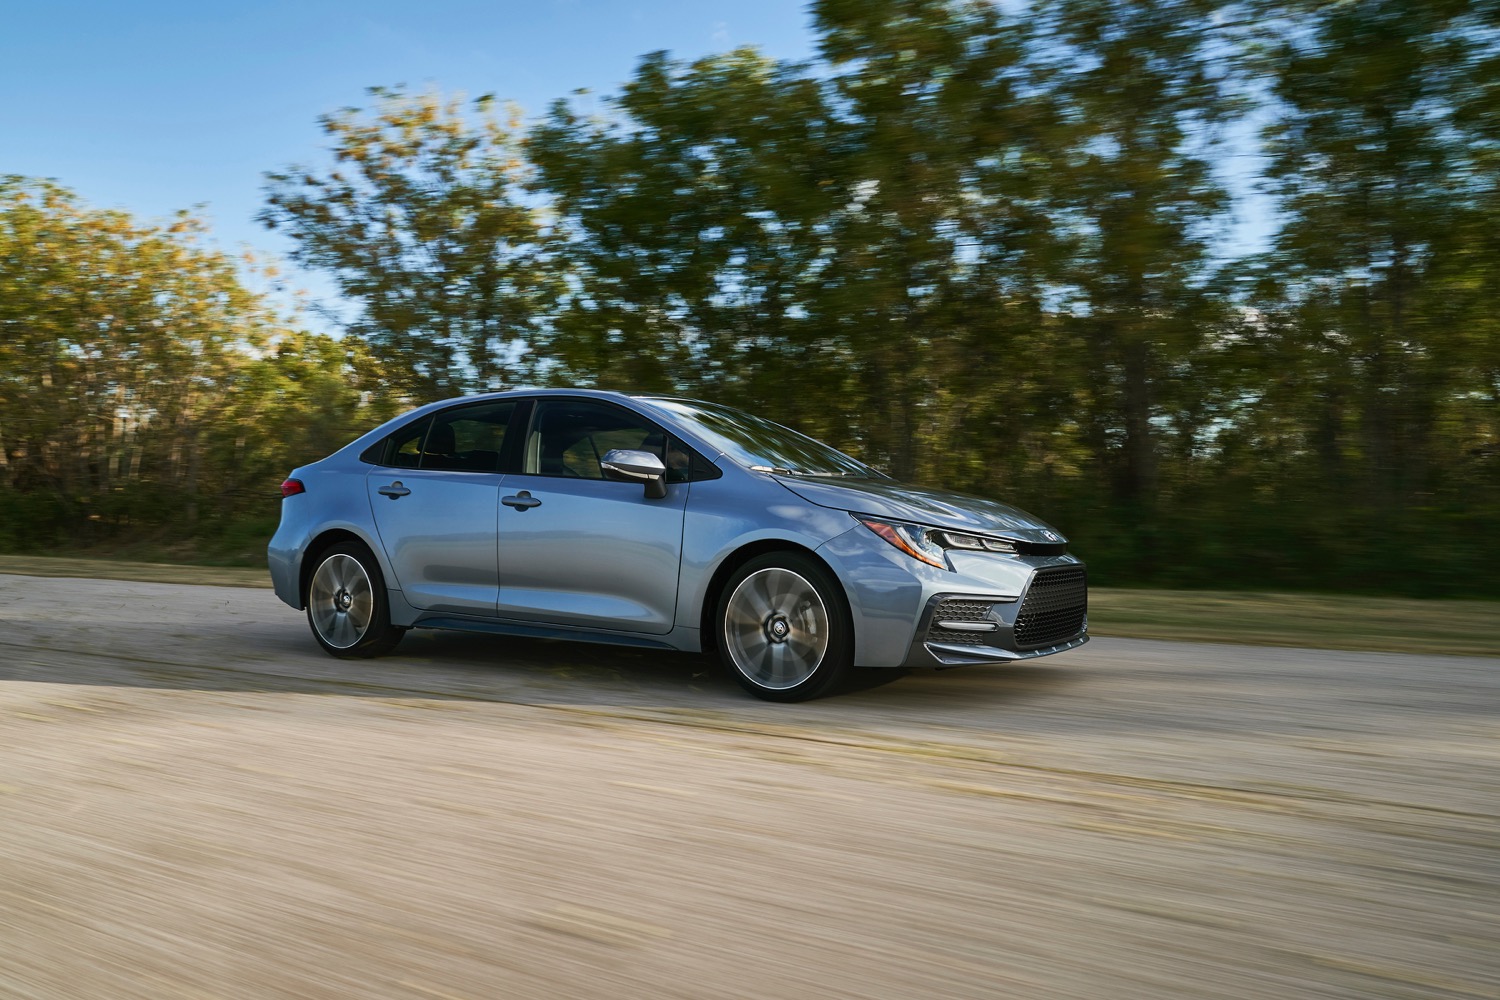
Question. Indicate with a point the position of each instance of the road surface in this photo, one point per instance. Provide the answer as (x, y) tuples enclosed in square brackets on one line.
[(195, 802)]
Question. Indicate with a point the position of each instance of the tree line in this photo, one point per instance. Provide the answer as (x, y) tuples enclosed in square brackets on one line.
[(983, 246)]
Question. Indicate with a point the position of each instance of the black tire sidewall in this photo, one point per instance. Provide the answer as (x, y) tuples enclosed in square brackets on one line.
[(836, 658)]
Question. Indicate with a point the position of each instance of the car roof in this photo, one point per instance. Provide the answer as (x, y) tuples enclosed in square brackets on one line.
[(564, 391), (526, 391)]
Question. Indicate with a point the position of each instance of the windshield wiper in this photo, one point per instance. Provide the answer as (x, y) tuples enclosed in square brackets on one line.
[(778, 470)]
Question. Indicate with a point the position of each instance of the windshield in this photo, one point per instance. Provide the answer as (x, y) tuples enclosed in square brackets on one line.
[(765, 446)]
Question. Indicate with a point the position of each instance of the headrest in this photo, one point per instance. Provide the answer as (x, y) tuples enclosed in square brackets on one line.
[(440, 440)]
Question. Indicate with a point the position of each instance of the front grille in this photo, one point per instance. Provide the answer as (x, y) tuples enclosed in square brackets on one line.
[(955, 609), (1055, 607)]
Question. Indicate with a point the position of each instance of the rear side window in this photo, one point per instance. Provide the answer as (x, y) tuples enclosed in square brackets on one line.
[(405, 446), (463, 439), (467, 439)]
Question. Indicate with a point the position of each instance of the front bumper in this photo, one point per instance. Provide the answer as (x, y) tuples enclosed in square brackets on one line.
[(992, 640), (1049, 616), (895, 602)]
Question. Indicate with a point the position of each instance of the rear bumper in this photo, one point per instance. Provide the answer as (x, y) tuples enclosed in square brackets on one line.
[(284, 560)]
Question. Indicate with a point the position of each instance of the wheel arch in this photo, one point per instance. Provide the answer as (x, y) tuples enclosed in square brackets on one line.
[(320, 544)]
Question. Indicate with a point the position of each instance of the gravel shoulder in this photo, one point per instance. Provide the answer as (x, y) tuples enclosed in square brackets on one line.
[(196, 802)]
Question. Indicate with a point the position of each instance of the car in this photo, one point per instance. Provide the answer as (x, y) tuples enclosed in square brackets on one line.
[(663, 523)]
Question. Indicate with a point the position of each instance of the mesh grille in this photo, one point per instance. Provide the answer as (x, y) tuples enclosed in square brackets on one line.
[(961, 611), (1055, 607)]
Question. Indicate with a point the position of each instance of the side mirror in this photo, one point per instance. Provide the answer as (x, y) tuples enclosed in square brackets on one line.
[(628, 465)]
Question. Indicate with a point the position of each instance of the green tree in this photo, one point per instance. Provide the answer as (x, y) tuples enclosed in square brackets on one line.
[(422, 223), (806, 242), (1383, 163), (121, 345), (1144, 92), (938, 258), (695, 216)]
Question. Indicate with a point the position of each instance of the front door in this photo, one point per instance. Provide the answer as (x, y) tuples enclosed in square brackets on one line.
[(579, 549)]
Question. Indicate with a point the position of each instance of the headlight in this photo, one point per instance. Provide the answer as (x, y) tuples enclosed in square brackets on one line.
[(930, 544), (977, 543)]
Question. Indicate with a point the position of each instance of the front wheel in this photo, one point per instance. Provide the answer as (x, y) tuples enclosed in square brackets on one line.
[(347, 605), (783, 628)]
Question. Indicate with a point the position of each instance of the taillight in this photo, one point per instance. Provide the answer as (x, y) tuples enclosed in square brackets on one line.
[(291, 488)]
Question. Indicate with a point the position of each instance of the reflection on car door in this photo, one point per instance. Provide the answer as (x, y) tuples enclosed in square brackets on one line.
[(576, 548), (435, 500)]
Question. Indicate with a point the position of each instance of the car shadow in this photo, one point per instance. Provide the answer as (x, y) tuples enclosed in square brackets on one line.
[(432, 664)]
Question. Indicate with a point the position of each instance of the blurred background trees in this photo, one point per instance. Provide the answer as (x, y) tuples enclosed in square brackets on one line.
[(419, 223), (984, 246), (142, 386)]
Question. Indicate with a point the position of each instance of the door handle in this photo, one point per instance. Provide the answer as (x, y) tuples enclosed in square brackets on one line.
[(395, 491), (521, 501)]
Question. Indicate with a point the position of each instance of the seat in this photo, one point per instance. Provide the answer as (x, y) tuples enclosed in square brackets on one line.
[(551, 460)]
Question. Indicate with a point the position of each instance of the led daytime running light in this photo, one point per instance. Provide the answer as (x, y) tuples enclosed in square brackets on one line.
[(973, 543)]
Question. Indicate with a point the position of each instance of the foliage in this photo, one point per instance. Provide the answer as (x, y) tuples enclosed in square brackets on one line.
[(141, 384), (420, 223), (984, 246)]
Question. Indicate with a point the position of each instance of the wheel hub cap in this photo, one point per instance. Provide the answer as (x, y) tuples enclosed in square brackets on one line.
[(778, 628)]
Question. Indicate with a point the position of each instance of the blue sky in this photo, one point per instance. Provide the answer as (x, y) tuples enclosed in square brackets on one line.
[(153, 107)]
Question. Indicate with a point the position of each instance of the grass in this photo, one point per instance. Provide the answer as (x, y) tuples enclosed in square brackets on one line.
[(1320, 621), (146, 572)]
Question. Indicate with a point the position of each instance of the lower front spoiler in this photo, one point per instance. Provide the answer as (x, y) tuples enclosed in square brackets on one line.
[(941, 654)]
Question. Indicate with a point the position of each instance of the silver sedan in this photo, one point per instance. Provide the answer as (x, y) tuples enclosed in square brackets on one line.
[(663, 523)]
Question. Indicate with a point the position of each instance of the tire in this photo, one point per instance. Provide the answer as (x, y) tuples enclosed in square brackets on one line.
[(783, 629), (347, 607)]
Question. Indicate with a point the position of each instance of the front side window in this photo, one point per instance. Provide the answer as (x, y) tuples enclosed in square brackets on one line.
[(570, 437)]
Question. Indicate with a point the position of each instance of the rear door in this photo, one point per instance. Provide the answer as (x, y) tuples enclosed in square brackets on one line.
[(579, 549), (435, 498)]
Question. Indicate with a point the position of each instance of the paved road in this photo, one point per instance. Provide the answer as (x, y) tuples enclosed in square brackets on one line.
[(194, 802)]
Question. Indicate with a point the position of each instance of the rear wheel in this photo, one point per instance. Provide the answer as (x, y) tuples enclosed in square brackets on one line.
[(783, 628), (347, 605)]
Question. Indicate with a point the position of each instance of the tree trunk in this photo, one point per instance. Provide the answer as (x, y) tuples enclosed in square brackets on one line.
[(1138, 480)]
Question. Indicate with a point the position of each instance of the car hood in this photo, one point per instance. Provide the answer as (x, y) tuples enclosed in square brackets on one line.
[(938, 508)]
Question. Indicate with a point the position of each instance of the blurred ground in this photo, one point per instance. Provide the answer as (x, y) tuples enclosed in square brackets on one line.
[(194, 802)]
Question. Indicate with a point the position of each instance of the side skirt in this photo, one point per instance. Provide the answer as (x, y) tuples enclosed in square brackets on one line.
[(497, 627), (682, 639)]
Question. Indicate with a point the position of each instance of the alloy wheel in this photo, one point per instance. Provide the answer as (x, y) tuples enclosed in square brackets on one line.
[(776, 628), (341, 601)]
